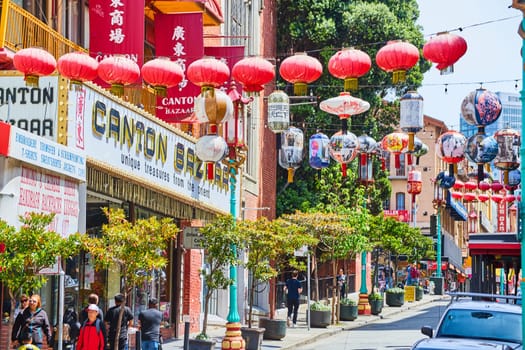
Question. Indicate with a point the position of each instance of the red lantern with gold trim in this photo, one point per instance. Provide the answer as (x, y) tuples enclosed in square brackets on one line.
[(414, 183), (253, 73), (77, 67), (300, 70), (208, 73), (34, 63), (445, 49), (162, 73), (118, 71), (395, 143), (397, 57), (349, 64)]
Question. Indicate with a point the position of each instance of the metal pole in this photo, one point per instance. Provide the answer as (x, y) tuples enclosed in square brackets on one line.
[(438, 243), (60, 306), (308, 267), (233, 315)]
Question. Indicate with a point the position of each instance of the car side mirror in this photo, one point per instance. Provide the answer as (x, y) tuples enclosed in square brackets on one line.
[(427, 330)]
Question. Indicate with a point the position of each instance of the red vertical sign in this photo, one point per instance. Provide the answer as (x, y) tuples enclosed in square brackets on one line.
[(179, 37), (116, 27), (502, 216)]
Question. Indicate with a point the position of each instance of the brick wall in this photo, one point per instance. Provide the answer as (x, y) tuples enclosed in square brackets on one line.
[(192, 290)]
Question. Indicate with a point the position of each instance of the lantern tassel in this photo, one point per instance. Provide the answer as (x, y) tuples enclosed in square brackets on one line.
[(481, 172), (397, 161), (506, 177), (399, 76), (411, 141), (290, 175), (209, 170), (343, 169), (351, 84), (117, 89), (31, 80), (300, 89)]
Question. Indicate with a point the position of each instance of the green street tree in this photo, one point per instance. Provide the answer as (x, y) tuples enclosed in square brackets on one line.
[(321, 28), (270, 246), (341, 234), (220, 237), (28, 250), (134, 249)]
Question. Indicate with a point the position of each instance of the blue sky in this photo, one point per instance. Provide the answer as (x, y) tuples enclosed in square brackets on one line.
[(492, 58)]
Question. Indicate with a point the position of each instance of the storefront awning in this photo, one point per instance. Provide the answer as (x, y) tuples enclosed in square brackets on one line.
[(494, 244), (457, 210)]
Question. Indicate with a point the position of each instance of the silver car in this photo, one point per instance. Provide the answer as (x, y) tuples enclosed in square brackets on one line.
[(471, 324)]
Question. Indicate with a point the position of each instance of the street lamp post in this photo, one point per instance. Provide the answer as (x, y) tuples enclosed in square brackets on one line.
[(438, 202), (236, 157), (518, 4)]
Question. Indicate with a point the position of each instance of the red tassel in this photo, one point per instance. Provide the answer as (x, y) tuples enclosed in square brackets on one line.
[(364, 156), (397, 162), (343, 169), (383, 164), (409, 159), (209, 170)]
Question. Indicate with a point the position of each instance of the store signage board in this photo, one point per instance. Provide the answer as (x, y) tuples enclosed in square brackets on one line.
[(192, 238), (130, 141), (34, 109)]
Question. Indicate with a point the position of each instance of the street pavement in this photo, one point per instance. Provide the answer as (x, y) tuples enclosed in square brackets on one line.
[(301, 335)]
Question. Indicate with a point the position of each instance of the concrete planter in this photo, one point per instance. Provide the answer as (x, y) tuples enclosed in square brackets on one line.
[(395, 299), (273, 329), (348, 312), (376, 306), (253, 337), (199, 344), (320, 319)]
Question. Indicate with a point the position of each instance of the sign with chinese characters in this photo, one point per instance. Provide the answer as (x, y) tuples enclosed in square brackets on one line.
[(502, 216), (399, 215), (179, 37), (116, 27)]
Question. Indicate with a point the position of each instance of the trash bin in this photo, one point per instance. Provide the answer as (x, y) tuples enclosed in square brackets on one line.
[(438, 285)]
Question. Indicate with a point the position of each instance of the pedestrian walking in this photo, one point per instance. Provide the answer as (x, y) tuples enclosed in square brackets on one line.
[(91, 335), (341, 283), (92, 300), (293, 289), (35, 321), (22, 304), (149, 325), (111, 320)]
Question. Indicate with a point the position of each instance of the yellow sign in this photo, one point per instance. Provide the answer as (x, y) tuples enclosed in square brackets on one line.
[(410, 293)]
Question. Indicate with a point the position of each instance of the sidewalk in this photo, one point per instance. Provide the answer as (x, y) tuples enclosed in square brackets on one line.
[(295, 337)]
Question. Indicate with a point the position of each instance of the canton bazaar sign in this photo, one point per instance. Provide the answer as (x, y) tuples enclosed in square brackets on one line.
[(129, 142)]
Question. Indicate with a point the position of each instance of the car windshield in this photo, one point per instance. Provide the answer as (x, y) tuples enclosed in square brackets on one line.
[(481, 324)]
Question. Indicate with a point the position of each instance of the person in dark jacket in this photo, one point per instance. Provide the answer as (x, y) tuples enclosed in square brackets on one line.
[(91, 336), (149, 324), (293, 289), (111, 319), (34, 320)]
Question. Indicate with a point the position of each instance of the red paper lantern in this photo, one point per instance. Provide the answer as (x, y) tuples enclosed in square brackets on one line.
[(497, 198), (118, 71), (484, 185), (456, 195), (397, 57), (34, 63), (469, 197), (482, 197), (496, 186), (300, 70), (349, 64), (161, 73), (510, 198), (458, 185), (208, 73), (77, 67), (445, 49), (471, 185), (253, 73)]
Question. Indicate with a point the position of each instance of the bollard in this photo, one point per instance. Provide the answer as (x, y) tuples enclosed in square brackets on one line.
[(186, 335), (138, 341)]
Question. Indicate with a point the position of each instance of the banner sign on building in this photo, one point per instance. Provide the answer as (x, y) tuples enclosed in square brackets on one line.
[(147, 149), (179, 37), (116, 27), (399, 215), (34, 109), (502, 216), (46, 182)]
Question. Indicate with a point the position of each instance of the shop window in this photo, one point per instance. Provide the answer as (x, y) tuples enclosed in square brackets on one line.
[(400, 201)]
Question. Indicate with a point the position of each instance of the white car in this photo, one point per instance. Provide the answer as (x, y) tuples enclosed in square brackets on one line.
[(472, 324)]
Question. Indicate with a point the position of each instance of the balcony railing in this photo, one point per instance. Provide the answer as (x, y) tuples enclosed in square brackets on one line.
[(20, 29)]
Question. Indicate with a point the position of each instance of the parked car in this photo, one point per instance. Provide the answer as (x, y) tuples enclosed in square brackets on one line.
[(492, 322)]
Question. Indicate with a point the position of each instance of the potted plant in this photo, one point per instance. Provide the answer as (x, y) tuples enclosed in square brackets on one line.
[(218, 237), (395, 296), (320, 315), (348, 309), (419, 293), (375, 300)]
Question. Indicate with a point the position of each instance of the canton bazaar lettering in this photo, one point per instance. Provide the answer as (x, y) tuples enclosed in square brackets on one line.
[(142, 139)]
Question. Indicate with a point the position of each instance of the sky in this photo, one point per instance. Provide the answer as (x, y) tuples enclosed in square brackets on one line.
[(492, 57)]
